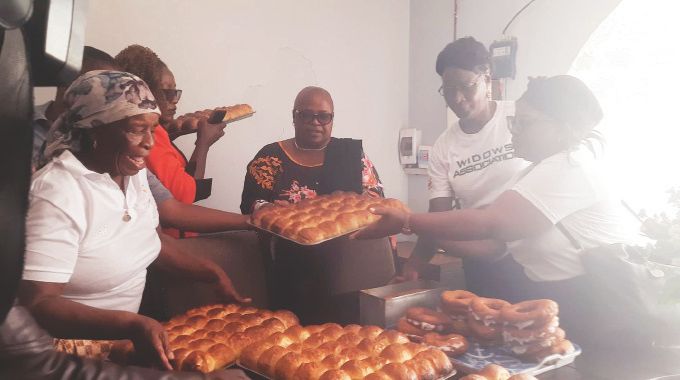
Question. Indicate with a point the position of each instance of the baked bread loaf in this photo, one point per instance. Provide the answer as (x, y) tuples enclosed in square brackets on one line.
[(188, 123), (330, 351), (210, 337), (314, 220)]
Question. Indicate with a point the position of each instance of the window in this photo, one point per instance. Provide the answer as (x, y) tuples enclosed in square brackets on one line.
[(632, 63)]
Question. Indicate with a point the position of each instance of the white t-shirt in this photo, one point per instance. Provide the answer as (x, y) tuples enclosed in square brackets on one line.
[(570, 188), (475, 168), (76, 234)]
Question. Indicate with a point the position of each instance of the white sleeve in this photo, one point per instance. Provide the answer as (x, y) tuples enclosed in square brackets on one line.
[(52, 242), (438, 171), (558, 188)]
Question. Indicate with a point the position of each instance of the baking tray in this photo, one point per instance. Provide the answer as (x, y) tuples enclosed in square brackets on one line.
[(299, 242), (478, 357), (384, 306), (257, 375)]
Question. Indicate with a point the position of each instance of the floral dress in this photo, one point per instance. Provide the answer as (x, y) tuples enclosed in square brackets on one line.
[(274, 175)]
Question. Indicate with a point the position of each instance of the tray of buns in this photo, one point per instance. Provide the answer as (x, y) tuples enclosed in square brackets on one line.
[(476, 332), (316, 220), (212, 337), (188, 123), (330, 351)]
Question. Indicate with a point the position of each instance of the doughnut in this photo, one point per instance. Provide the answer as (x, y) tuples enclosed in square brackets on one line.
[(485, 331), (529, 334), (530, 313), (428, 319), (408, 329), (456, 301), (561, 347), (487, 308), (452, 344)]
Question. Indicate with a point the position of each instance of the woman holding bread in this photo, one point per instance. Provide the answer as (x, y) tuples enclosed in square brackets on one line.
[(184, 178), (309, 164), (91, 228), (557, 207)]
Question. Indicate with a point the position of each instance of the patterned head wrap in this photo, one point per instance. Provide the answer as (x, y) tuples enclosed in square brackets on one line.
[(96, 98)]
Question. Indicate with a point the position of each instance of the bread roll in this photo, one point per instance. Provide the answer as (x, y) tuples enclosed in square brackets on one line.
[(335, 374), (266, 364), (310, 371), (325, 217)]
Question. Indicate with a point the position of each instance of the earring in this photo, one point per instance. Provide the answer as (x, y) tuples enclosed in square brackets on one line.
[(94, 144)]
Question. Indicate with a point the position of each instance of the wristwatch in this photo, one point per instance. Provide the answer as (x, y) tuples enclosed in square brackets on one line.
[(406, 227)]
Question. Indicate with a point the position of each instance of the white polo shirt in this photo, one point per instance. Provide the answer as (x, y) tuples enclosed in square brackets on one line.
[(77, 233), (571, 188)]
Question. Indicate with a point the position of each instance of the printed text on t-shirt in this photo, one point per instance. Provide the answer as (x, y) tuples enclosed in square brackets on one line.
[(483, 160)]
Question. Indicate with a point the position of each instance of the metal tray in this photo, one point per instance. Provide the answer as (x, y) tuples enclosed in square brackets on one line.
[(478, 357), (258, 375), (384, 306), (303, 243)]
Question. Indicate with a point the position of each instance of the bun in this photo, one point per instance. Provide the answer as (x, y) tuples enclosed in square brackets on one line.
[(312, 221), (330, 351), (453, 344), (211, 337)]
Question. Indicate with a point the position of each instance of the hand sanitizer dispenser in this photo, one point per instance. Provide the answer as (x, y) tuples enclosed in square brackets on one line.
[(409, 140)]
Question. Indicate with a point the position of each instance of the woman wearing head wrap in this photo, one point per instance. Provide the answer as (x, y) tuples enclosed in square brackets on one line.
[(565, 188), (471, 163), (91, 224)]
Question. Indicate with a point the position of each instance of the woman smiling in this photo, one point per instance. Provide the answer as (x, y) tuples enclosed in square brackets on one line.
[(92, 222)]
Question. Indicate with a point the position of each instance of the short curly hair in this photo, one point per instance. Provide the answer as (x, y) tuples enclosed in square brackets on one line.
[(144, 63), (464, 53)]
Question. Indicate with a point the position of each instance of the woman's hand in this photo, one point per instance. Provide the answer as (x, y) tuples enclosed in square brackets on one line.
[(208, 134), (226, 290), (151, 341), (391, 222), (409, 272)]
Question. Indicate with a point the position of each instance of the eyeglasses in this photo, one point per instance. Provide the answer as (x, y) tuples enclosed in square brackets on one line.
[(308, 117), (465, 88), (171, 94)]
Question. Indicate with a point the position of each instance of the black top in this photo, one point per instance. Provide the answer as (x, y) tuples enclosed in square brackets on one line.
[(274, 175)]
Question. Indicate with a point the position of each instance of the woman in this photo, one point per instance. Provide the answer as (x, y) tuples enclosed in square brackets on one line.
[(562, 196), (184, 178), (314, 163), (91, 224), (472, 162)]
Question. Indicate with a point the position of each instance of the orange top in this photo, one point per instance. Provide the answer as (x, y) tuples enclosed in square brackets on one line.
[(168, 164)]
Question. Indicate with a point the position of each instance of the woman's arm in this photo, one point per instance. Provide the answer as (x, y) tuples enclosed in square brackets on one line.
[(485, 250), (68, 319), (206, 135), (200, 219), (509, 218), (173, 260)]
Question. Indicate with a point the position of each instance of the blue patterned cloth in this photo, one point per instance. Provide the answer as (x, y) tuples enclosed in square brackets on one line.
[(94, 99)]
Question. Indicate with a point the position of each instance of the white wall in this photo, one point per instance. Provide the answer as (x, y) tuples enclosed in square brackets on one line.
[(262, 53), (431, 30), (550, 33)]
